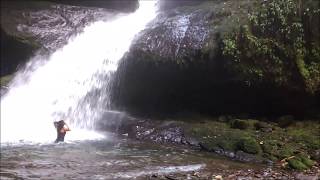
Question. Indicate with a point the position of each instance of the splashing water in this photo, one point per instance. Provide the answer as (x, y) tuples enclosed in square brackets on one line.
[(72, 84)]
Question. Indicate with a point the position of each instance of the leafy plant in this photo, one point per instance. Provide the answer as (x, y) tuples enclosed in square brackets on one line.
[(275, 46)]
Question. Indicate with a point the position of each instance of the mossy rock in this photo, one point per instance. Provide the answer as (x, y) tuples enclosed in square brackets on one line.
[(285, 151), (305, 136), (295, 163), (228, 141), (249, 145), (294, 141), (227, 144), (306, 161), (269, 147), (300, 162), (239, 124), (261, 125), (270, 157)]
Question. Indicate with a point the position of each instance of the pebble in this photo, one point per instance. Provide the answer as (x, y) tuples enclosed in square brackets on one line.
[(258, 175), (306, 177), (248, 174), (197, 174)]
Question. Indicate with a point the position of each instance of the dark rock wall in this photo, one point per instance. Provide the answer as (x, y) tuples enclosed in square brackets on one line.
[(121, 5), (41, 26), (145, 87), (176, 65), (13, 53), (171, 4)]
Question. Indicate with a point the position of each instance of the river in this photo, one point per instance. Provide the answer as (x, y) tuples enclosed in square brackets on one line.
[(109, 158)]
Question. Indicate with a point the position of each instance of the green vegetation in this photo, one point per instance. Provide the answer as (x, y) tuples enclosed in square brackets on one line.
[(4, 81), (249, 145), (280, 45), (295, 163), (306, 161), (220, 135), (304, 133), (300, 162), (292, 146)]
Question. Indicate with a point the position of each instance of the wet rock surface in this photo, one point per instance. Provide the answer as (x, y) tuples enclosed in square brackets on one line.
[(250, 174), (175, 36), (41, 27), (179, 51), (176, 132), (219, 138), (177, 64), (48, 24), (123, 5), (14, 52), (155, 131)]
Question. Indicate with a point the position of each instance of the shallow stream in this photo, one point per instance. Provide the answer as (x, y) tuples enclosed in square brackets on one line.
[(107, 159)]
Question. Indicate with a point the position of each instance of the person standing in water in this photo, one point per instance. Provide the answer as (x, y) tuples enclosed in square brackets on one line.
[(62, 129)]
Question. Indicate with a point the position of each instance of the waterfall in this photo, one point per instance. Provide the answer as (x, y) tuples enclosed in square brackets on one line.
[(72, 83)]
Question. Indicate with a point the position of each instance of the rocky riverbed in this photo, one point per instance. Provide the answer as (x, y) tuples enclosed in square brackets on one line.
[(250, 174), (291, 147)]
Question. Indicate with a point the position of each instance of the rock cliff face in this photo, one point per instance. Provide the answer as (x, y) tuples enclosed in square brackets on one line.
[(46, 26), (177, 65), (15, 50), (174, 65), (123, 5), (46, 23)]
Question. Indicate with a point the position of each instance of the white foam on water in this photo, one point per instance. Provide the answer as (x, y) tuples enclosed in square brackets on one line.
[(64, 85)]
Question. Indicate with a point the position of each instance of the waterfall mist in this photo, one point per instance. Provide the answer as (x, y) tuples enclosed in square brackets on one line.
[(72, 83)]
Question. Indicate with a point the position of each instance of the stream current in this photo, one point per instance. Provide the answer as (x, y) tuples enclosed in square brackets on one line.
[(114, 158)]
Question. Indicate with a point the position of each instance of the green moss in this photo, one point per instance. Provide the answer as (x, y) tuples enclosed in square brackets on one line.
[(229, 145), (226, 138), (269, 147), (249, 145), (282, 143), (219, 134), (295, 163), (285, 151), (230, 140), (306, 134), (300, 162), (306, 161)]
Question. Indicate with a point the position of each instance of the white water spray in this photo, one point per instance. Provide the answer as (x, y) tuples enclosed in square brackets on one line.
[(65, 86)]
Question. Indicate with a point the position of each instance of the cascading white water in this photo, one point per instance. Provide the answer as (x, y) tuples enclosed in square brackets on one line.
[(64, 86)]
